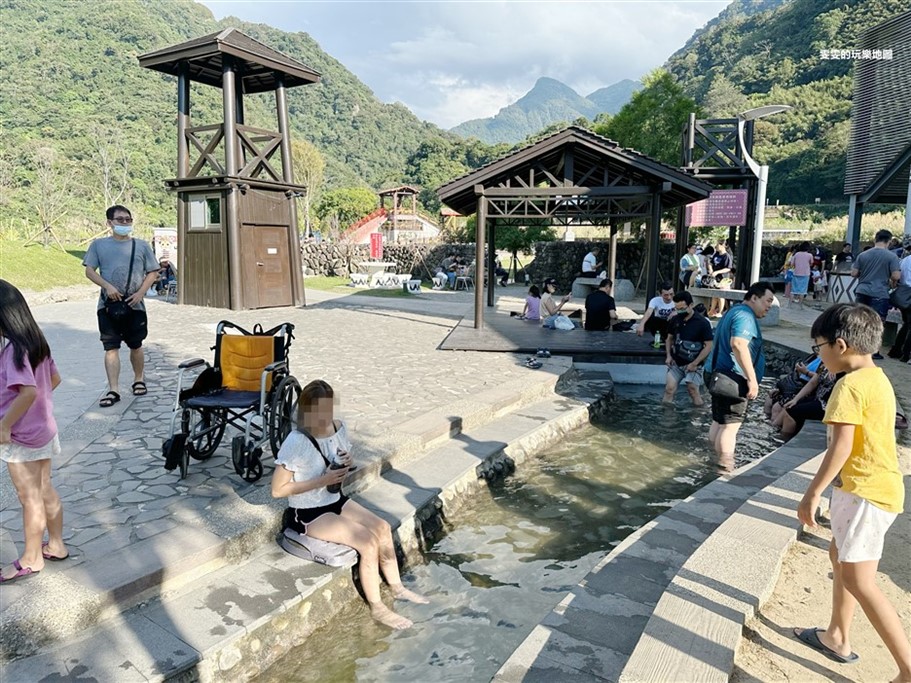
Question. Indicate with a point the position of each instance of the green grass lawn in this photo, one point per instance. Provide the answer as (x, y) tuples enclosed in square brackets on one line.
[(39, 269)]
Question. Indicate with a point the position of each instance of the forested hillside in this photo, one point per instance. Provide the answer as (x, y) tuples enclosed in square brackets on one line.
[(84, 125), (745, 58)]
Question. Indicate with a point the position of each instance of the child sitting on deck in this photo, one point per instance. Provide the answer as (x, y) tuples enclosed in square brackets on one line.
[(532, 310), (862, 464)]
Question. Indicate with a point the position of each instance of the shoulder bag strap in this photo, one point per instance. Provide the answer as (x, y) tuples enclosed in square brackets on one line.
[(316, 446), (130, 273)]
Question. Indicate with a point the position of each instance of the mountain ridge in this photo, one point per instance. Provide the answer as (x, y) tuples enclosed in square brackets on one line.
[(548, 102)]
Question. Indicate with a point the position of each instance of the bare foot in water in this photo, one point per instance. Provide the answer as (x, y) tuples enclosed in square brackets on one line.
[(401, 593), (387, 617)]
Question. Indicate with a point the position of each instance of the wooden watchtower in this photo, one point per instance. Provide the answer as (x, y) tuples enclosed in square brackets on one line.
[(238, 245)]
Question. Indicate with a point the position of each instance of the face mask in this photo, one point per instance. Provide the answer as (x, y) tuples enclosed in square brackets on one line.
[(123, 230)]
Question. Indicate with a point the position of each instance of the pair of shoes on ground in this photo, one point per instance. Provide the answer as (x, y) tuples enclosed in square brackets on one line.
[(138, 388), (543, 353), (533, 363)]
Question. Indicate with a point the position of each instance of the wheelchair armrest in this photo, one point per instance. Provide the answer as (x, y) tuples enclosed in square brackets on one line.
[(192, 363), (277, 365)]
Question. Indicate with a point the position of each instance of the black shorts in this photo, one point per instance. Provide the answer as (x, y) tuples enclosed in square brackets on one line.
[(298, 518), (808, 409), (132, 329), (726, 411)]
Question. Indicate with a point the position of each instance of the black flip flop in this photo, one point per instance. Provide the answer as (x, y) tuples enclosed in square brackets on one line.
[(139, 388), (109, 399), (810, 636)]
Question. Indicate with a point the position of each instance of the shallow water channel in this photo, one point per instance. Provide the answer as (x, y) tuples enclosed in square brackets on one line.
[(512, 554)]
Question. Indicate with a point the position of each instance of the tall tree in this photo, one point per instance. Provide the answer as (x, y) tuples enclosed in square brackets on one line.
[(724, 99), (652, 120), (341, 208), (112, 164), (310, 170), (51, 191)]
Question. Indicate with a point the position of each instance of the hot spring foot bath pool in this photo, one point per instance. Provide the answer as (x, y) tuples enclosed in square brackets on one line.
[(511, 553)]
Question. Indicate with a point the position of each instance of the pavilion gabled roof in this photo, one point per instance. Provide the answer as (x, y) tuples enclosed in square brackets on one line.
[(588, 148), (401, 189), (259, 65)]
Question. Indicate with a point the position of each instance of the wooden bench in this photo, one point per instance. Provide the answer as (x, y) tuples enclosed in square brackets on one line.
[(705, 295)]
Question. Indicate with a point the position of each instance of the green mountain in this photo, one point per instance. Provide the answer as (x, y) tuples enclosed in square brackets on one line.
[(547, 103), (611, 99), (73, 92), (768, 52)]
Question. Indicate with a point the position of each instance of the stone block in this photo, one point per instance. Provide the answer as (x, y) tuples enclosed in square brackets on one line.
[(624, 290)]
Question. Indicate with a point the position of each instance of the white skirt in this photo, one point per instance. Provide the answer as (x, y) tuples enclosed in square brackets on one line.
[(14, 452)]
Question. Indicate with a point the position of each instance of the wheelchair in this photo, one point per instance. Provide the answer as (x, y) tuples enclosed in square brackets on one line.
[(248, 386)]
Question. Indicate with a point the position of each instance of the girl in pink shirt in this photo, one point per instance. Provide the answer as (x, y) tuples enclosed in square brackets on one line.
[(28, 432), (802, 263)]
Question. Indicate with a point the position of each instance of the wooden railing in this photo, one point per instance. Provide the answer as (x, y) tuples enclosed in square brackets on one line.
[(256, 147)]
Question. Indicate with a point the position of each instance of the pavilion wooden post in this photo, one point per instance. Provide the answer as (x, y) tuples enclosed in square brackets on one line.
[(612, 261), (652, 242), (183, 169), (479, 260), (294, 247), (489, 262), (683, 238), (235, 291)]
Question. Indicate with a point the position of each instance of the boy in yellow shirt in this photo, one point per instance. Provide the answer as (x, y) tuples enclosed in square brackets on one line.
[(862, 463)]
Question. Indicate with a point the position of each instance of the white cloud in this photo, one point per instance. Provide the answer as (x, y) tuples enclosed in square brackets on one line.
[(454, 61)]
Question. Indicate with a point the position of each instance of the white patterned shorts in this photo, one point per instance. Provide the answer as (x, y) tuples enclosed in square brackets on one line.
[(14, 452), (858, 526)]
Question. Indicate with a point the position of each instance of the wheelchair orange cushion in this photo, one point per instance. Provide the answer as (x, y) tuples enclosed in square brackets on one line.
[(243, 359)]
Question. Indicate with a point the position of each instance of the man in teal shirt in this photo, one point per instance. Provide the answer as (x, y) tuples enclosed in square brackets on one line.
[(738, 355)]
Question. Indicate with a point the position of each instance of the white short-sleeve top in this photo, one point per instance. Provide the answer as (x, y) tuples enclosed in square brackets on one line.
[(298, 456)]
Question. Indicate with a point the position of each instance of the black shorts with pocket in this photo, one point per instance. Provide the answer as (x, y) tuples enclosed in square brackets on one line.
[(131, 330), (727, 411), (298, 518)]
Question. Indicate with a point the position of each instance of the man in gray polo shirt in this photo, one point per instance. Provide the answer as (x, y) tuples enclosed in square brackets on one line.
[(108, 264), (876, 269)]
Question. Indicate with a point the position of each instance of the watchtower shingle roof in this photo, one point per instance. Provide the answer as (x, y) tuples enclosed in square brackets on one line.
[(259, 66)]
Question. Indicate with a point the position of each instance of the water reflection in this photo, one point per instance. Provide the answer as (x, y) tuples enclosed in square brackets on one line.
[(516, 550)]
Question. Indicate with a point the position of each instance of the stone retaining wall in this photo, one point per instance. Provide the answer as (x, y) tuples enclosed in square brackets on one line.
[(340, 258)]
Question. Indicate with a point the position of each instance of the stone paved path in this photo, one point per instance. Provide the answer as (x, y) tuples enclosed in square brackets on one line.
[(379, 354)]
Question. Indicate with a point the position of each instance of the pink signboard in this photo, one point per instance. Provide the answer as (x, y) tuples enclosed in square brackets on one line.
[(376, 245), (723, 207)]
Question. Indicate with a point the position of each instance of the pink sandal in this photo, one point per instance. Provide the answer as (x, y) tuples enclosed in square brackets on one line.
[(21, 573)]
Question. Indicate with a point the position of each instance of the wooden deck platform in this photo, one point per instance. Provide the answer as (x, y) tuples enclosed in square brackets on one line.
[(504, 334)]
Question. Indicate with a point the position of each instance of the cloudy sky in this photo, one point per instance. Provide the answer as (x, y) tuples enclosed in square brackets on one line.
[(453, 61)]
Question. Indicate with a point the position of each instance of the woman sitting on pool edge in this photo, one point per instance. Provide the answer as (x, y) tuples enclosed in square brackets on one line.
[(302, 474)]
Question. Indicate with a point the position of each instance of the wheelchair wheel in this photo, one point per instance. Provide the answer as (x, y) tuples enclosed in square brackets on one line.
[(254, 466), (239, 454), (281, 411), (196, 424)]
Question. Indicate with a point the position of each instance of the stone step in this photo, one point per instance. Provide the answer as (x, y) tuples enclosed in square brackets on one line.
[(240, 618), (197, 539)]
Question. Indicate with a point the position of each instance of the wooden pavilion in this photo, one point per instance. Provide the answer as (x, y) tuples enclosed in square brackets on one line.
[(236, 213), (572, 177)]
